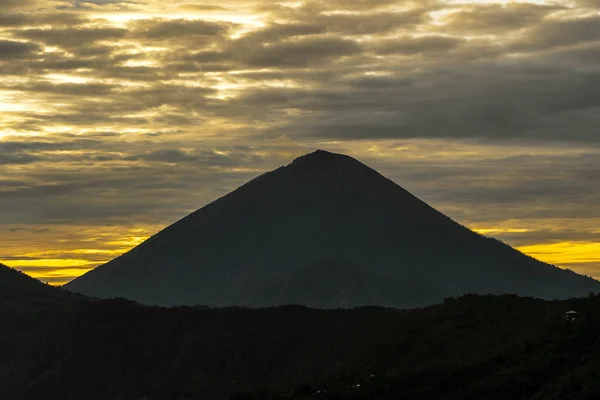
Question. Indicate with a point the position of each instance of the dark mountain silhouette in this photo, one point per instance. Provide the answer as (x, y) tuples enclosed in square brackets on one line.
[(471, 348), (324, 231), (17, 286)]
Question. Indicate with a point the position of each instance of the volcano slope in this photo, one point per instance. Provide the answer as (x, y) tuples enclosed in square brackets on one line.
[(324, 231)]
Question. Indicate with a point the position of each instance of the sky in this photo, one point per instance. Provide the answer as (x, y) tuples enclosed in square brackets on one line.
[(118, 118)]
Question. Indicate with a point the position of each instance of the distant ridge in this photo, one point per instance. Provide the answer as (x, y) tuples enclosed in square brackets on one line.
[(15, 285), (324, 231)]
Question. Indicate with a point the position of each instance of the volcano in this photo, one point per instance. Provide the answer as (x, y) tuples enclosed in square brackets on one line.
[(325, 231)]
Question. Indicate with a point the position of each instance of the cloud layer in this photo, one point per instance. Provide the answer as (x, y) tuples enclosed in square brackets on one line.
[(126, 113)]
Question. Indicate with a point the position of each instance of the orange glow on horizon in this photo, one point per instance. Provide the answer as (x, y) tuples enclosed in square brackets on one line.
[(47, 265), (61, 254), (576, 255)]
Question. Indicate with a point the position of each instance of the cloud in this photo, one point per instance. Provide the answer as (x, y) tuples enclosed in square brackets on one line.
[(417, 45), (277, 32), (589, 3), (21, 19), (100, 5), (13, 50), (99, 2), (300, 52), (119, 112), (18, 158), (69, 37), (65, 89), (180, 29), (172, 156), (560, 32), (492, 18), (371, 23), (492, 100), (16, 4), (202, 7)]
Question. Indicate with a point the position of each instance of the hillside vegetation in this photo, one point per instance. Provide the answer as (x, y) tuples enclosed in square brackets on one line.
[(474, 347)]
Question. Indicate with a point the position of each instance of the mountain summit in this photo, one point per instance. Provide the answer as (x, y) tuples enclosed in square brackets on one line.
[(324, 231)]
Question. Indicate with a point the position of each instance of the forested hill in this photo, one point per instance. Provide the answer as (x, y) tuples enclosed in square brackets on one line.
[(19, 287), (556, 360), (474, 347)]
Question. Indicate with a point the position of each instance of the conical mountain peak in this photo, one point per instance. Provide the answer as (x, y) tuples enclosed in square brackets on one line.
[(314, 174), (323, 158), (325, 230), (321, 155)]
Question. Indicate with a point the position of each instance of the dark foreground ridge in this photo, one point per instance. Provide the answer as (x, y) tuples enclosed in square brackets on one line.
[(17, 286), (325, 231), (471, 348)]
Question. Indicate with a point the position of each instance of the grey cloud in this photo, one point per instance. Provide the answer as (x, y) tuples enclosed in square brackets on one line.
[(492, 18), (67, 143), (365, 5), (359, 5), (589, 3), (17, 158), (68, 89), (10, 49), (493, 100), (312, 8), (16, 4), (301, 52), (298, 51), (132, 73), (298, 75), (18, 230), (371, 23), (415, 45), (208, 56), (56, 151), (197, 67), (86, 115), (277, 32), (11, 258), (559, 32), (89, 112), (202, 7), (69, 38), (201, 157), (361, 23), (166, 155), (146, 183), (587, 54), (94, 58), (121, 5), (168, 94), (180, 29), (523, 187), (99, 2), (56, 64), (176, 120), (30, 19), (119, 195)]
